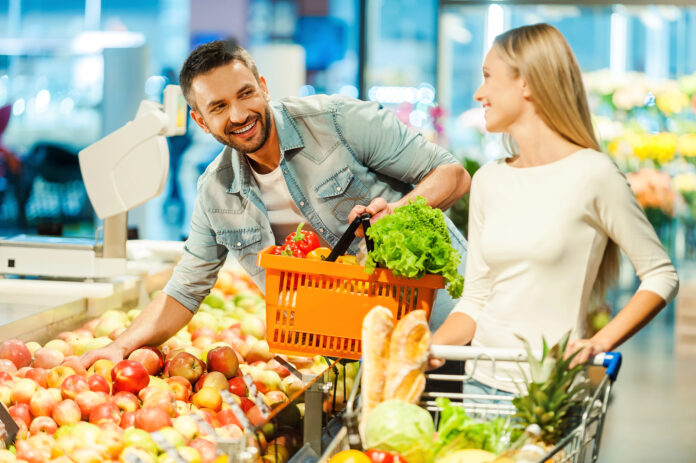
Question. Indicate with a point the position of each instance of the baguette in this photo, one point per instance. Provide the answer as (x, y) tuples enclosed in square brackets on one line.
[(376, 332), (408, 356)]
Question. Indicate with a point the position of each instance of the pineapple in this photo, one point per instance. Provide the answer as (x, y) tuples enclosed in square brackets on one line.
[(551, 394)]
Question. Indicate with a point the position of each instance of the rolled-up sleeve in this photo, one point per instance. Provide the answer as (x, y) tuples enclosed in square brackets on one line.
[(196, 272), (379, 140), (626, 224)]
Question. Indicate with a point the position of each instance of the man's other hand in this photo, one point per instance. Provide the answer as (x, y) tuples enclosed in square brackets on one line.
[(378, 208)]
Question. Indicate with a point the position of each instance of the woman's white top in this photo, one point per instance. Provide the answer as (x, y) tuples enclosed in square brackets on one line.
[(536, 239)]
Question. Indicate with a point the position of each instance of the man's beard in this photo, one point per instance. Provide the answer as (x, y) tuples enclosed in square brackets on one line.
[(264, 130)]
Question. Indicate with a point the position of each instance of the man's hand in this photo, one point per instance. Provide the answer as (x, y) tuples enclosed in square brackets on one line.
[(378, 208), (110, 352)]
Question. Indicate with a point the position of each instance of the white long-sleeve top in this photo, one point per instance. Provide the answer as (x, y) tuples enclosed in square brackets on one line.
[(537, 236)]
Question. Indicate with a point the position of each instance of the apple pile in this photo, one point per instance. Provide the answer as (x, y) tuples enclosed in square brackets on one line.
[(106, 413)]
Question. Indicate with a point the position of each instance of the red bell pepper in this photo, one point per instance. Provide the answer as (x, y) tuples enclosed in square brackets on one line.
[(306, 241), (292, 250), (276, 251)]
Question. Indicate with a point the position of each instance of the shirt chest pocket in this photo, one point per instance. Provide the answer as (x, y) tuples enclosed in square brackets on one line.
[(340, 192), (243, 244)]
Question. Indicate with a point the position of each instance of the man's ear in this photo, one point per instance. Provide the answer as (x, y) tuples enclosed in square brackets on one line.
[(199, 120), (264, 88)]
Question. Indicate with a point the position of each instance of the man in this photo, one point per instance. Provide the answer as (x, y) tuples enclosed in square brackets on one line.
[(320, 160)]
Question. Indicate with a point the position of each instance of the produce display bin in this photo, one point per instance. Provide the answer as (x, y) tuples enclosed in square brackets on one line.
[(579, 445), (317, 307)]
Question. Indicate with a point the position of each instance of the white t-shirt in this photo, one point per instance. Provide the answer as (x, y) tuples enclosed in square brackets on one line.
[(282, 210), (536, 239)]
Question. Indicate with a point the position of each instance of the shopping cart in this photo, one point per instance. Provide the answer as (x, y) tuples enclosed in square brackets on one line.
[(580, 445)]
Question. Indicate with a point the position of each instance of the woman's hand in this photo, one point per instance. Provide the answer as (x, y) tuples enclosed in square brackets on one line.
[(586, 348)]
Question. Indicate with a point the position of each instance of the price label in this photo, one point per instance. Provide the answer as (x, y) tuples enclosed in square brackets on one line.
[(236, 409), (167, 446)]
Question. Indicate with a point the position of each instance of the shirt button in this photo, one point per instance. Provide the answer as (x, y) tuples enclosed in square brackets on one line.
[(338, 188), (301, 203), (239, 244), (321, 230)]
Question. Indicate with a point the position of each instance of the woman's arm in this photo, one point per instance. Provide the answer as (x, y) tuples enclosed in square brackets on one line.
[(624, 221)]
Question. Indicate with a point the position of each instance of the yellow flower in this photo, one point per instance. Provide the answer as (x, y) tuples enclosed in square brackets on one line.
[(672, 102), (684, 182), (687, 145), (664, 145)]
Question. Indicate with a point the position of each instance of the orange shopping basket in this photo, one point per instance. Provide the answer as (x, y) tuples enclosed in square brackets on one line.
[(317, 307)]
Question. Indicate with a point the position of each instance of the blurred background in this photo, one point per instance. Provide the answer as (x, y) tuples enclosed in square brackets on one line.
[(72, 71)]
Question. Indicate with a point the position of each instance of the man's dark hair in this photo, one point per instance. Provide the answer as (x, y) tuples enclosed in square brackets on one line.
[(210, 56)]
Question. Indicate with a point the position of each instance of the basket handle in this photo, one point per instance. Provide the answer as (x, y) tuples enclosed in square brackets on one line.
[(349, 236)]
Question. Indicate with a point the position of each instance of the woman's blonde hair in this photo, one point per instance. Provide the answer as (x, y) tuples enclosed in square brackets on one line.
[(541, 56)]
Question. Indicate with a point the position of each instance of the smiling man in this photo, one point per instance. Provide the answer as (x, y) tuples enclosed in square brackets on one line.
[(321, 160)]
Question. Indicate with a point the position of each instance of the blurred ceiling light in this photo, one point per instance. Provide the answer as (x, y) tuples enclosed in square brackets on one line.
[(43, 99), (617, 52), (557, 12), (18, 107), (95, 41), (496, 24), (67, 106), (307, 90), (455, 29), (349, 90)]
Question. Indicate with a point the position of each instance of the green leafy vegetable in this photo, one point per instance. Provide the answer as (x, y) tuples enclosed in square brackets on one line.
[(458, 431), (400, 427), (413, 241)]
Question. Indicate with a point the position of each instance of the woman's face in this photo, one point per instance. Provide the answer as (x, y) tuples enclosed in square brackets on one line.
[(504, 97)]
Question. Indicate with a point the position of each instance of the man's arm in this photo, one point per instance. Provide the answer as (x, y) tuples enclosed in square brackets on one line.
[(160, 320), (441, 188)]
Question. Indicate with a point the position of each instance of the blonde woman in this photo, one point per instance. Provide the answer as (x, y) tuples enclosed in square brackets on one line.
[(545, 225)]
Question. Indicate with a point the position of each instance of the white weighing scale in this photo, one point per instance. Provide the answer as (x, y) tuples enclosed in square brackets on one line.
[(121, 171)]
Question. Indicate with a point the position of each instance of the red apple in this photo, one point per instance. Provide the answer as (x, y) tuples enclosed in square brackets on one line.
[(161, 399), (231, 431), (186, 365), (59, 345), (276, 397), (233, 331), (73, 385), (43, 402), (181, 387), (240, 347), (224, 360), (57, 375), (259, 351), (255, 416), (4, 376), (208, 397), (202, 342), (67, 412), (42, 424), (88, 400), (97, 383), (127, 420), (91, 325), (15, 351), (39, 375), (84, 333), (47, 357), (205, 448), (105, 412), (7, 366), (246, 404), (213, 379), (227, 416), (274, 365), (128, 375), (204, 331), (237, 386), (152, 419), (126, 401), (23, 390), (21, 412), (149, 357)]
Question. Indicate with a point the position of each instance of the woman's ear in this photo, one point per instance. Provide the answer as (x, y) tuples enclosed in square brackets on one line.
[(526, 92)]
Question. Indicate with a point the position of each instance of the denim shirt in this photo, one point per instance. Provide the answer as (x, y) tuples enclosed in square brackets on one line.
[(336, 153)]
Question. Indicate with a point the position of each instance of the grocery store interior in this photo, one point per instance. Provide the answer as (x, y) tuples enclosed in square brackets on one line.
[(74, 71)]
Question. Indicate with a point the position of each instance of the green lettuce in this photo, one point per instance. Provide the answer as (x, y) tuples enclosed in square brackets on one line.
[(397, 426), (413, 241)]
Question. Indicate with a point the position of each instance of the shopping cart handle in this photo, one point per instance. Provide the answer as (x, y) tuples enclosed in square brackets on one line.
[(611, 361)]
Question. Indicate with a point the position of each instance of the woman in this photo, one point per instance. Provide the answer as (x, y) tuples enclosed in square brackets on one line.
[(544, 224)]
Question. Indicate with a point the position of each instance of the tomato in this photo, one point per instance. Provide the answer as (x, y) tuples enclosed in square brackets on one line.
[(319, 254), (382, 456), (350, 456)]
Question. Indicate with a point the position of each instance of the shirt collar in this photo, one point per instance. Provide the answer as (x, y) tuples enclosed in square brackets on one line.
[(289, 138)]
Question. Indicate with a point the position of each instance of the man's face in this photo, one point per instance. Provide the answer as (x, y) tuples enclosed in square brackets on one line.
[(232, 106)]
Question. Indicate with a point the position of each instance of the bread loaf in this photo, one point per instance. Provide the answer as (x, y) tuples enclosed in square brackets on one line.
[(376, 332), (408, 356)]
